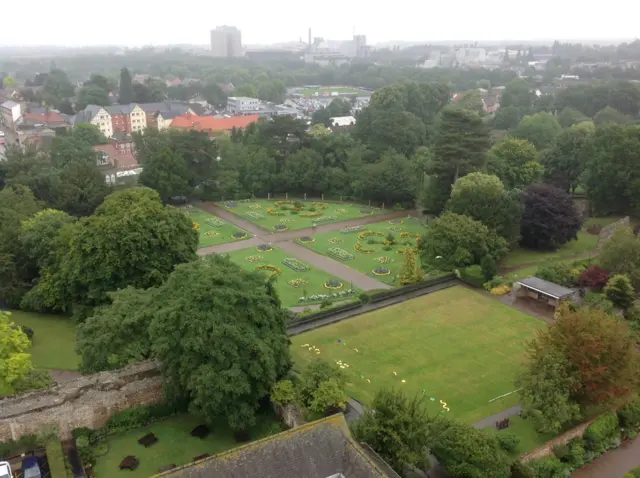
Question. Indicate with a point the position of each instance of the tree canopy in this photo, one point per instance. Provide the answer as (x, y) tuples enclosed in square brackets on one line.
[(15, 361), (564, 162), (540, 129), (515, 161)]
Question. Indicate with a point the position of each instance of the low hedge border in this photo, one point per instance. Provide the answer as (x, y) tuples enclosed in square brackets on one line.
[(55, 457)]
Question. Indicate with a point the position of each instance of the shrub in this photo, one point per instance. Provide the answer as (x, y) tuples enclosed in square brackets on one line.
[(548, 467), (495, 282), (329, 397), (595, 277), (508, 441), (325, 303), (602, 433), (499, 291), (21, 445), (85, 451), (576, 454), (629, 415), (473, 275), (556, 272), (57, 467), (598, 301), (561, 451), (282, 392), (28, 331), (298, 204), (521, 470), (364, 297), (619, 291), (386, 248), (594, 229)]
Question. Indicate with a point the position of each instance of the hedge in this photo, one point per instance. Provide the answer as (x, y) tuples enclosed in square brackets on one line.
[(55, 458), (23, 444), (473, 276), (603, 433)]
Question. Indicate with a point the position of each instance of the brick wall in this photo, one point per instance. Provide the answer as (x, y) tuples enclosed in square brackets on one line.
[(547, 448), (86, 402)]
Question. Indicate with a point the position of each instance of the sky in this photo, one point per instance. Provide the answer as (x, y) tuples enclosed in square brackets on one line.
[(162, 22)]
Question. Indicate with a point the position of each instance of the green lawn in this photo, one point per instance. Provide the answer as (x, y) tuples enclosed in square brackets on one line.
[(456, 345), (530, 439), (54, 340), (174, 446), (213, 230), (285, 217), (520, 256), (289, 295), (367, 262)]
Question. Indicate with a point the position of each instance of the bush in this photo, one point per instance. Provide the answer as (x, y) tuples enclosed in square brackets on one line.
[(473, 275), (325, 303), (561, 452), (508, 441), (141, 416), (595, 277), (548, 467), (55, 458), (386, 248), (282, 392), (364, 297), (21, 445), (602, 433), (489, 267), (629, 415), (598, 301), (521, 470), (298, 204), (619, 291), (28, 331), (496, 281), (576, 454), (85, 451), (594, 229), (556, 272)]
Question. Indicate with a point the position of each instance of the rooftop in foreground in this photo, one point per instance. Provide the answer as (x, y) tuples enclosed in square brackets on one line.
[(547, 288)]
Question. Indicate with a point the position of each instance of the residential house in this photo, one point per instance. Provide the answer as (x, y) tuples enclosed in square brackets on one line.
[(96, 115), (10, 114), (320, 449), (46, 117), (164, 119), (114, 163), (153, 109), (123, 142), (211, 125), (127, 118)]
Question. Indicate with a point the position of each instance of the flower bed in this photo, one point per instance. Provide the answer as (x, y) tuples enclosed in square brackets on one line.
[(384, 260), (264, 248), (297, 283), (239, 235), (351, 229), (282, 202), (501, 290), (306, 239), (274, 212), (358, 247), (295, 264), (280, 227), (287, 221), (271, 268), (211, 234), (320, 205), (333, 295), (406, 234), (311, 214), (381, 271), (365, 234), (336, 240), (394, 228), (333, 284), (254, 258), (341, 210), (255, 206), (327, 218), (196, 226), (254, 215), (396, 221), (215, 222), (340, 254)]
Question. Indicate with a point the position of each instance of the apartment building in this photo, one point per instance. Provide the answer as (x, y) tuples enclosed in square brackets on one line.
[(242, 105), (226, 42)]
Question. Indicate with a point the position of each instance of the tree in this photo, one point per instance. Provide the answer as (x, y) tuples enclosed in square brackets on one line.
[(214, 95), (585, 357), (65, 150), (328, 398), (89, 133), (390, 180), (411, 272), (57, 85), (540, 129), (220, 335), (621, 255), (483, 197), (313, 376), (400, 130), (91, 95), (102, 82), (130, 240), (508, 117), (15, 362), (608, 116), (515, 162), (20, 199), (550, 218), (455, 241), (472, 100), (564, 162), (612, 171), (126, 94), (517, 93), (397, 429), (619, 291), (571, 116), (9, 82), (282, 392), (80, 188), (467, 451), (166, 172), (117, 334)]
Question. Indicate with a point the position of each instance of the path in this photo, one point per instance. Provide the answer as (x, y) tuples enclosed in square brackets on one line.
[(229, 246), (614, 463), (491, 421)]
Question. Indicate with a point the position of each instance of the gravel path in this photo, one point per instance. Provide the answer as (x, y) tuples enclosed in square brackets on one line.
[(491, 421)]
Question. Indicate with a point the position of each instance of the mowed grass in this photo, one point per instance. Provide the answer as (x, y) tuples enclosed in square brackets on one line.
[(366, 262), (291, 220), (288, 295), (456, 345), (519, 256), (54, 340), (175, 445), (530, 439), (211, 235)]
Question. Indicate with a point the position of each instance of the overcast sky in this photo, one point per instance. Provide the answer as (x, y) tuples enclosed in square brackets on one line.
[(161, 22)]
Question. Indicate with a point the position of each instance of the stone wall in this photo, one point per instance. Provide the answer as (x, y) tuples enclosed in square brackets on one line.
[(290, 414), (85, 402), (547, 448), (607, 232)]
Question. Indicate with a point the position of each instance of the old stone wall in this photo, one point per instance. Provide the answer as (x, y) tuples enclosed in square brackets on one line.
[(607, 232), (547, 448), (290, 414), (86, 402)]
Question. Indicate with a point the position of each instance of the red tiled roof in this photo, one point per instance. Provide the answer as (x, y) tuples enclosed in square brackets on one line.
[(50, 117), (122, 160), (209, 123)]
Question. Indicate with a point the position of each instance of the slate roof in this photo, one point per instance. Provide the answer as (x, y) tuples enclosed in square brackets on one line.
[(178, 107), (316, 450), (547, 288), (119, 110)]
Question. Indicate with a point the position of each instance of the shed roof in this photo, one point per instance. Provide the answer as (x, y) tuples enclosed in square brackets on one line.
[(545, 287)]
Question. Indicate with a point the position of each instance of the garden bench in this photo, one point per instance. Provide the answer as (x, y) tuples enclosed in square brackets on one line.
[(501, 425), (201, 431), (129, 463), (148, 440)]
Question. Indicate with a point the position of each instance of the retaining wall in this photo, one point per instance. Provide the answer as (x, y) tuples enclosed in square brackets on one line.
[(547, 448)]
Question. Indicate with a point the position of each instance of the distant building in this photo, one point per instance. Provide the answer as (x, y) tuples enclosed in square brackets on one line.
[(342, 121), (466, 56), (242, 105), (10, 113), (211, 125), (226, 42)]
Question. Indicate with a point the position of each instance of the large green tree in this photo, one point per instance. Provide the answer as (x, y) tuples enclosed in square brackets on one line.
[(91, 95), (220, 335), (166, 172), (515, 161), (126, 93), (540, 129), (79, 189), (15, 361), (621, 255), (517, 93), (565, 161), (484, 198)]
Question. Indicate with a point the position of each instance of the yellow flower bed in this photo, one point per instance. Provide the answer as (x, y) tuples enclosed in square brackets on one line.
[(270, 267), (365, 234), (358, 247), (196, 226), (501, 290)]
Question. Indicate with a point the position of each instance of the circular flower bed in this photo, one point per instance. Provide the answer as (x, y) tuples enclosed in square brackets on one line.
[(280, 227), (211, 234), (306, 239), (384, 260), (396, 221), (333, 284), (230, 204), (366, 212), (239, 235), (264, 248), (297, 282), (254, 258), (381, 271), (271, 268), (336, 240)]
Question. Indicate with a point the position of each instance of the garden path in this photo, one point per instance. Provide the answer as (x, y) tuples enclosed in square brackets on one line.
[(229, 246), (491, 421)]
